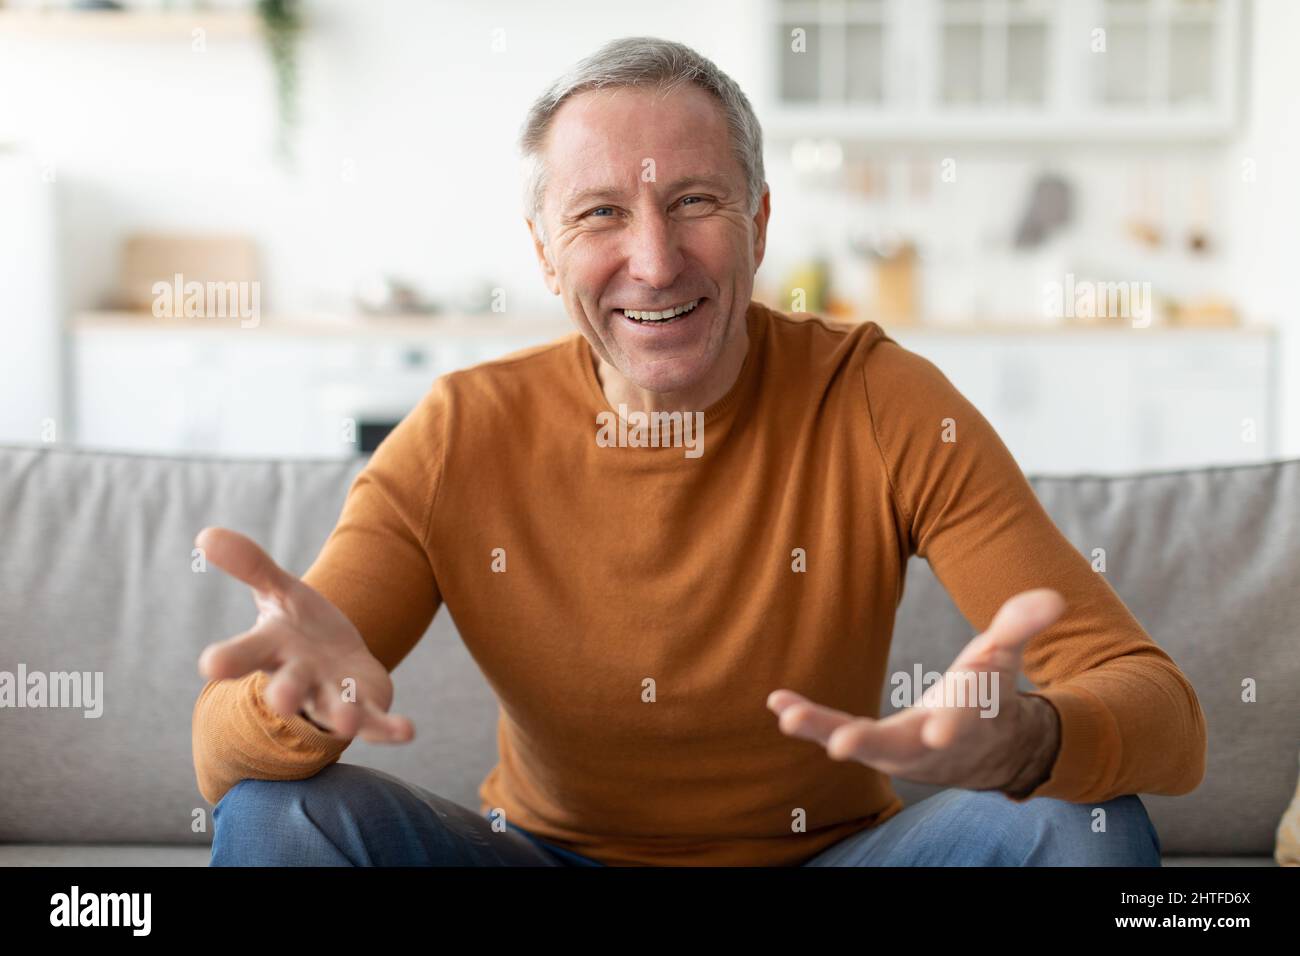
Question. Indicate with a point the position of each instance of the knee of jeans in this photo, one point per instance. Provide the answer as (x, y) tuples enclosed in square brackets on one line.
[(1116, 832), (278, 822), (250, 797), (1134, 818)]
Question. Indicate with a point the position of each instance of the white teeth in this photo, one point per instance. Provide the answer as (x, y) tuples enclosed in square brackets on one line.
[(660, 316)]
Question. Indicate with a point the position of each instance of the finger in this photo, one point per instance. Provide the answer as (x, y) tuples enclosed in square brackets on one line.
[(384, 728), (1024, 615), (941, 727), (800, 717), (943, 706), (1002, 644), (350, 718), (778, 700), (243, 559), (289, 688), (256, 649), (896, 738), (337, 710), (313, 713)]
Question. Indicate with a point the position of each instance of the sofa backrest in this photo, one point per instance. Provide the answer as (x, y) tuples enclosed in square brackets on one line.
[(96, 576), (1208, 560)]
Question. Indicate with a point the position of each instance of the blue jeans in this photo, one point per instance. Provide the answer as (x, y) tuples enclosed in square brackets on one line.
[(347, 815)]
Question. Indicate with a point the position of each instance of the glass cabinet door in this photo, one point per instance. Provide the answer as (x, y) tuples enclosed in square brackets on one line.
[(993, 53), (1163, 55), (1037, 67), (832, 51)]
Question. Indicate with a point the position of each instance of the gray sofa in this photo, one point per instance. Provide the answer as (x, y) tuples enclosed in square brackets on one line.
[(95, 575)]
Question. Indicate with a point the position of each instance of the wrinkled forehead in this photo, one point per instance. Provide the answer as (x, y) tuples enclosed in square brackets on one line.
[(628, 140)]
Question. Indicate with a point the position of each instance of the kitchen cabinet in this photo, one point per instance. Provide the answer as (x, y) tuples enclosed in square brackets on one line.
[(1116, 400), (1003, 69), (282, 389), (29, 265)]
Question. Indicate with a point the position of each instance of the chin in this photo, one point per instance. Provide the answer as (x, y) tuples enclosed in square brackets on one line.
[(666, 375)]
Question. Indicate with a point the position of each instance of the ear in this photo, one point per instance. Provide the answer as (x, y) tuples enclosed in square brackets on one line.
[(543, 260), (760, 227)]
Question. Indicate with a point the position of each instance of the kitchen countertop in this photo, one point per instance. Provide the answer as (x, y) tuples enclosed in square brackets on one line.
[(498, 325), (449, 325)]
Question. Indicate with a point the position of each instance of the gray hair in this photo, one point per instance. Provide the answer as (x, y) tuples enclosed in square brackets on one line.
[(641, 62)]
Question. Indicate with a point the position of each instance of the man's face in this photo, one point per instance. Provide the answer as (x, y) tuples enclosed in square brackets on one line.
[(645, 209)]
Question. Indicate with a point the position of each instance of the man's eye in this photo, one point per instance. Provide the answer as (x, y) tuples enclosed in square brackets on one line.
[(598, 209)]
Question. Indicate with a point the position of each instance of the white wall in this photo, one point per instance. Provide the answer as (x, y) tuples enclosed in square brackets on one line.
[(1263, 214), (407, 156)]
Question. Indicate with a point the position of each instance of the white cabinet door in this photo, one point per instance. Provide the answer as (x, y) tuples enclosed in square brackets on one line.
[(1114, 402), (1167, 60), (264, 396), (139, 392), (1206, 403), (30, 373), (258, 393)]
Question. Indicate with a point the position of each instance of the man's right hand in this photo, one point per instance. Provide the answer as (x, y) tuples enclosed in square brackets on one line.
[(308, 646)]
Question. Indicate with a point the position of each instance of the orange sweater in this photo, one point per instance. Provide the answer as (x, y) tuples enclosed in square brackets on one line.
[(631, 563)]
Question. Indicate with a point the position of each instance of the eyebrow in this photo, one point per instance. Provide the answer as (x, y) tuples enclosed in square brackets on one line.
[(594, 193)]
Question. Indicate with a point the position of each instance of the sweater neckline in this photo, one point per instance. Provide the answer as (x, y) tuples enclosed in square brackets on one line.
[(755, 329)]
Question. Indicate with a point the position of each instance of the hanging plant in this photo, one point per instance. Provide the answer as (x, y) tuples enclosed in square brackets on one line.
[(281, 24)]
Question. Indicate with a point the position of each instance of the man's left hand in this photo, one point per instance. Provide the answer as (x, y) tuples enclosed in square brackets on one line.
[(953, 746)]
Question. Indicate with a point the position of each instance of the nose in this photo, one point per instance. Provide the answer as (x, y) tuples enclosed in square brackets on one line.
[(653, 257)]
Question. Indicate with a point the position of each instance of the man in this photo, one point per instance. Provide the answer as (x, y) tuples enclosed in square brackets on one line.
[(674, 543)]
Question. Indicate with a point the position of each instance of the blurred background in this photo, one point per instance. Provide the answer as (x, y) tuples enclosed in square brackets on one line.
[(1084, 211)]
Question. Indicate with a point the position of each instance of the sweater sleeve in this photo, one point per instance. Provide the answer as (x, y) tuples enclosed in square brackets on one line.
[(374, 567), (1130, 720)]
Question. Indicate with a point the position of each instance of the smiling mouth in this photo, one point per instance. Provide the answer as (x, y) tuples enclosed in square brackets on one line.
[(660, 316)]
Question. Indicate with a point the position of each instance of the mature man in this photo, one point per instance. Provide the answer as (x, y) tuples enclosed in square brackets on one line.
[(685, 647)]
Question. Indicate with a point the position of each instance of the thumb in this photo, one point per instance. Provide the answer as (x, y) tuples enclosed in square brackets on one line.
[(1022, 616), (241, 557), (1002, 643)]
